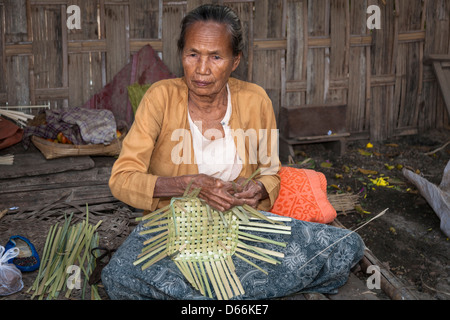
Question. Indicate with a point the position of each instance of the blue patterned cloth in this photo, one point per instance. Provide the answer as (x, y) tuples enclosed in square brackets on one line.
[(302, 269)]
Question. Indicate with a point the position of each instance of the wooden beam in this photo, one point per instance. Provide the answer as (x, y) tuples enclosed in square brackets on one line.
[(444, 83)]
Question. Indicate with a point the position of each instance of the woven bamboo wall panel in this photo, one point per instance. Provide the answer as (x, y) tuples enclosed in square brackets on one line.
[(302, 52)]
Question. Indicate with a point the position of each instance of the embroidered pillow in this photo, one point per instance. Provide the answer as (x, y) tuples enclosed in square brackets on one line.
[(303, 196)]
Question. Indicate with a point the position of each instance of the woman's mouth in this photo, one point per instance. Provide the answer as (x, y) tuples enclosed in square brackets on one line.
[(201, 84)]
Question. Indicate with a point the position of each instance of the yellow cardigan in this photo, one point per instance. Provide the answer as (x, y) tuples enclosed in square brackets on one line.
[(159, 142)]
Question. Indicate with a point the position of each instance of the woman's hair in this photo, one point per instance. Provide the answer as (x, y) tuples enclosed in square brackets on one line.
[(215, 13)]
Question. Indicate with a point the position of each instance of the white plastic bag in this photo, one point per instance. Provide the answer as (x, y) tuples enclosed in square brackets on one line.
[(10, 277)]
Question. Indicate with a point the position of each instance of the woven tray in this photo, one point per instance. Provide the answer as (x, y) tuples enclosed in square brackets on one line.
[(202, 242), (52, 150)]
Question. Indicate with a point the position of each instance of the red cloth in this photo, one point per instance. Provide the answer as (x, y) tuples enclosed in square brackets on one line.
[(303, 196), (146, 67), (10, 134)]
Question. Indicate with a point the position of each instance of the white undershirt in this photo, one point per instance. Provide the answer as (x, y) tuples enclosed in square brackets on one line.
[(217, 158)]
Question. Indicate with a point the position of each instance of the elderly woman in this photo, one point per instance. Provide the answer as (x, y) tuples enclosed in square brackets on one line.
[(187, 132)]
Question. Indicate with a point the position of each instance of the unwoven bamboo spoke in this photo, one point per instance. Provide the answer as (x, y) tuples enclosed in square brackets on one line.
[(259, 252), (229, 277)]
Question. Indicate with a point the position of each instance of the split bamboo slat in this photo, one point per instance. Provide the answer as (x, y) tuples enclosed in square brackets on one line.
[(300, 51)]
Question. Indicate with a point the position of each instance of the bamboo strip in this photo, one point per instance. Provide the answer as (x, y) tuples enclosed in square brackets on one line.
[(187, 273), (213, 280), (156, 223), (260, 252), (263, 230), (154, 260), (154, 213), (224, 279), (264, 225), (251, 263), (146, 250), (205, 278), (240, 215), (230, 279), (155, 218), (257, 214), (150, 254), (200, 279), (274, 218), (7, 160), (223, 219), (251, 177), (208, 210), (156, 237), (253, 255), (194, 275), (153, 230), (267, 251), (219, 281), (232, 269), (249, 235)]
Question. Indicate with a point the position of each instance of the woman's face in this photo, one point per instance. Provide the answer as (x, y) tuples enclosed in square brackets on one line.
[(207, 58)]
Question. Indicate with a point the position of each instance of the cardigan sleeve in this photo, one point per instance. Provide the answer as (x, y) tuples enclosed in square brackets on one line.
[(130, 180)]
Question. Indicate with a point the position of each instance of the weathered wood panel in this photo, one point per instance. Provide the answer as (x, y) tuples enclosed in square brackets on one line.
[(301, 51), (2, 57), (171, 19), (432, 111)]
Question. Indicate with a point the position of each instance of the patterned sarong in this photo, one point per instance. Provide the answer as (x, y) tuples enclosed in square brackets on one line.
[(306, 267)]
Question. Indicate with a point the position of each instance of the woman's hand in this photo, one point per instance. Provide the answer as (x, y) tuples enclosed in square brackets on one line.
[(252, 193), (217, 193)]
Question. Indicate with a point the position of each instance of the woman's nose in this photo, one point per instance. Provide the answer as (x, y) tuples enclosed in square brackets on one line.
[(203, 65)]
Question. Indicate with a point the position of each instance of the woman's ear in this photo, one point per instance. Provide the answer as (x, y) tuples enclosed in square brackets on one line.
[(236, 61)]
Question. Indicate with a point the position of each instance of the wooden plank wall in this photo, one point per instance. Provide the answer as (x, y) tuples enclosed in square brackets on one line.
[(300, 51)]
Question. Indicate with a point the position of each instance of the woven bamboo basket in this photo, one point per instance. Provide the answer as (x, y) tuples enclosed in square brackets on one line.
[(52, 150), (202, 242)]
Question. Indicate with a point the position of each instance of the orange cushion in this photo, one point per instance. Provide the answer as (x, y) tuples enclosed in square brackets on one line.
[(303, 196)]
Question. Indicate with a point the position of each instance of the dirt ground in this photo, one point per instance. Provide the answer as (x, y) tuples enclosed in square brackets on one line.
[(407, 239)]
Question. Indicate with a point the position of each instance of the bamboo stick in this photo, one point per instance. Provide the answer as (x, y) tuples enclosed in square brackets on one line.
[(230, 279), (251, 263), (264, 230), (232, 269), (213, 280), (219, 281), (224, 279), (205, 279), (7, 160), (260, 252), (150, 254), (265, 225), (281, 244), (253, 255), (154, 260)]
